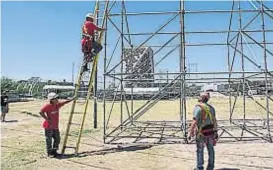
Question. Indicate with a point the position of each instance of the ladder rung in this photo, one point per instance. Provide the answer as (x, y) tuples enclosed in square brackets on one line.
[(75, 124), (72, 135), (82, 76), (70, 147)]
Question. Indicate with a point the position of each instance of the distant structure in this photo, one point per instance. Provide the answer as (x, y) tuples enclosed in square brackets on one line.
[(139, 67), (57, 89), (29, 85)]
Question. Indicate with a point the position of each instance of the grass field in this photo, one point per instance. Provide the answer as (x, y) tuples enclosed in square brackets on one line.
[(23, 143)]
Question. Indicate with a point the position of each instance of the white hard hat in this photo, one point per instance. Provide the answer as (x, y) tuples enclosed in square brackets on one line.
[(52, 95), (89, 15)]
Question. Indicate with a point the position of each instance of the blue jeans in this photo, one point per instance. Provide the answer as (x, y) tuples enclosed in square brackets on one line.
[(200, 143)]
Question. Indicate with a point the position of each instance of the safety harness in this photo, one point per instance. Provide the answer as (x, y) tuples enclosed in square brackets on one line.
[(205, 130)]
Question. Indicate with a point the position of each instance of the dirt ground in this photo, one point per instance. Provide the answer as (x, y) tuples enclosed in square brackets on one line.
[(23, 144)]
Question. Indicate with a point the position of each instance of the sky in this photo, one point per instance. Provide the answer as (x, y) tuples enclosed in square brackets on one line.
[(43, 38)]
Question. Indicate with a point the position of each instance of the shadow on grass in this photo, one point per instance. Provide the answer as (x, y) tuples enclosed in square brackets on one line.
[(106, 151), (10, 121), (30, 114)]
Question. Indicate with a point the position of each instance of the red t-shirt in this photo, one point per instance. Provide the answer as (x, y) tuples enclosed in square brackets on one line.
[(89, 28), (52, 112)]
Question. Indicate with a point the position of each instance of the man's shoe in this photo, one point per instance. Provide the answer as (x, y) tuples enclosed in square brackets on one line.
[(85, 68), (50, 154), (93, 53), (55, 154)]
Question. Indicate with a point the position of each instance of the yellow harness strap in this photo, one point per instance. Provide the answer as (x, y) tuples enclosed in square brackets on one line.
[(205, 110)]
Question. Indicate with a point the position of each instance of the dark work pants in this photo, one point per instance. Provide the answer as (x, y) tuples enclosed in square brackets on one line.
[(97, 47), (55, 134), (89, 56), (94, 50)]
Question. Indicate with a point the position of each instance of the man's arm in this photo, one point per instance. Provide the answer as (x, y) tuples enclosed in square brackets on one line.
[(196, 115), (44, 116), (7, 104), (95, 27), (100, 29), (66, 102), (215, 125), (192, 128), (43, 110), (214, 119)]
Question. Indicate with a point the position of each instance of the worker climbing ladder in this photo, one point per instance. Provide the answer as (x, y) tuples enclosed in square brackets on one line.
[(100, 6)]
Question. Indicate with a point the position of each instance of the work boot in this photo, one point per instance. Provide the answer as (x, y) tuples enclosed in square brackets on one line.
[(93, 53), (91, 59), (85, 68), (50, 154), (55, 154)]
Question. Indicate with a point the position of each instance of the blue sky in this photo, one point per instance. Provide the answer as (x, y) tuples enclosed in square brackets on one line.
[(43, 38)]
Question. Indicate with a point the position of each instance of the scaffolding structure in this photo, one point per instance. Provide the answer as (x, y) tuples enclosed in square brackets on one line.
[(248, 48)]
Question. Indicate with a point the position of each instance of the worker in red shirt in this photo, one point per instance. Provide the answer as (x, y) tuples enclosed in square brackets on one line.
[(50, 112), (90, 47)]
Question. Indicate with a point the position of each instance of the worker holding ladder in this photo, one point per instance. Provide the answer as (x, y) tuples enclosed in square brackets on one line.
[(90, 47), (206, 132), (50, 113)]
